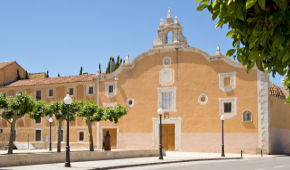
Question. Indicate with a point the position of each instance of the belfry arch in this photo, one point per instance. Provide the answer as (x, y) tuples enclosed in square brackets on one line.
[(164, 28)]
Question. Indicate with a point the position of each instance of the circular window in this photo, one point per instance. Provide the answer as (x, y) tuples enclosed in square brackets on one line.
[(166, 61), (202, 99), (130, 102)]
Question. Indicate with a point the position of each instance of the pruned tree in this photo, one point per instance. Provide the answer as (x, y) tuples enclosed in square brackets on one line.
[(59, 109), (113, 114), (13, 109), (18, 75), (89, 111), (262, 28)]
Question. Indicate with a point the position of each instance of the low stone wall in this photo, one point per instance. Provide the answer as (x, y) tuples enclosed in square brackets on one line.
[(75, 156)]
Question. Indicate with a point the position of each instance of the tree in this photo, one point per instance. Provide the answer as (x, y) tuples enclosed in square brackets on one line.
[(113, 114), (123, 61), (261, 26), (18, 76), (26, 75), (14, 108), (89, 111), (120, 61), (81, 71), (100, 68), (108, 68), (117, 63), (47, 74), (58, 75), (59, 109)]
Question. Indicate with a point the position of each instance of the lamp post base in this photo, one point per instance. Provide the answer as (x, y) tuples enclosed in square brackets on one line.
[(67, 164)]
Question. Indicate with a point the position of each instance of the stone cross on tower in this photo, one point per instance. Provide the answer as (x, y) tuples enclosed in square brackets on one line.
[(164, 28)]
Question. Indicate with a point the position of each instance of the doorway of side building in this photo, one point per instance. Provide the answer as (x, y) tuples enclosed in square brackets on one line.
[(168, 137), (113, 134)]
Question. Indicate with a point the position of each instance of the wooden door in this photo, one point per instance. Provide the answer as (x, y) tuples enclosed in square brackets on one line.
[(113, 134), (168, 136)]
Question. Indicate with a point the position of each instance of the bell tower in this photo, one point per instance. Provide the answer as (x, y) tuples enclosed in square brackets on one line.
[(164, 28)]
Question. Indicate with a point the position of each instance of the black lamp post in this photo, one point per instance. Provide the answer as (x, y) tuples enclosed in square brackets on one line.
[(67, 101), (160, 112), (223, 151), (50, 120)]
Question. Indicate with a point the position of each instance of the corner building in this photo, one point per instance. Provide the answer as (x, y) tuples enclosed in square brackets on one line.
[(192, 87)]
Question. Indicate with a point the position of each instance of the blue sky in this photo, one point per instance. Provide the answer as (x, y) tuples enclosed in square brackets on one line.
[(61, 36)]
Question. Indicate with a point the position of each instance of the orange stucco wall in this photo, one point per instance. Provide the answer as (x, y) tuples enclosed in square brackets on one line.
[(10, 73)]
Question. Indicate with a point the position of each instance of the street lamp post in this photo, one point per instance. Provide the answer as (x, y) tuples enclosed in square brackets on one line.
[(160, 112), (67, 101), (223, 151), (50, 121)]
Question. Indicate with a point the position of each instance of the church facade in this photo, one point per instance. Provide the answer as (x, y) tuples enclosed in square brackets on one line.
[(192, 87)]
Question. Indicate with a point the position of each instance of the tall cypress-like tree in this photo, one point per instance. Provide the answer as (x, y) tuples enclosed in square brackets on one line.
[(58, 75), (18, 76), (108, 68), (117, 63), (81, 71), (121, 61), (100, 68), (47, 74), (26, 75)]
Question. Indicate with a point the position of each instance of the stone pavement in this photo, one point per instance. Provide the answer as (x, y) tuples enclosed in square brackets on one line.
[(171, 157)]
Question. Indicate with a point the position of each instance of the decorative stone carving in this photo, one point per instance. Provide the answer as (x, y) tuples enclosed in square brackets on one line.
[(218, 51), (127, 61), (166, 76), (177, 37)]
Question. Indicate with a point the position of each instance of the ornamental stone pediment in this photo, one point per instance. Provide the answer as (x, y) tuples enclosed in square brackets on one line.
[(166, 76)]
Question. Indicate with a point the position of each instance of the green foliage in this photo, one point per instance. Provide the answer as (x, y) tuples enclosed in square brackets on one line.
[(100, 68), (47, 74), (285, 82), (18, 76), (108, 68), (59, 109), (117, 63), (26, 75), (261, 26), (120, 61), (81, 71), (39, 110), (123, 61), (114, 113), (58, 75)]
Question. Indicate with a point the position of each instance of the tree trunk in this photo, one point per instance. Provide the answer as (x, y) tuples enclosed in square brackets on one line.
[(59, 135), (90, 133), (11, 136)]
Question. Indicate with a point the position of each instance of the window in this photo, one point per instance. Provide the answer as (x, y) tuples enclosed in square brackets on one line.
[(247, 116), (166, 61), (202, 99), (50, 93), (38, 120), (167, 100), (38, 94), (130, 102), (111, 89), (71, 91), (81, 136), (37, 135), (227, 81), (91, 90), (61, 134), (227, 107), (1, 131)]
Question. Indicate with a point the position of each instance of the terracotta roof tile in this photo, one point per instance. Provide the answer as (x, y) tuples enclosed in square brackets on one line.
[(4, 64), (52, 80), (284, 90), (276, 91)]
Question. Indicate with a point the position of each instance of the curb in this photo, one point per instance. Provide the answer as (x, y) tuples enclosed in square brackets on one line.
[(164, 162)]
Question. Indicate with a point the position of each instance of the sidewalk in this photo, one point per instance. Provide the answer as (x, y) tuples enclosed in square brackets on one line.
[(170, 157)]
